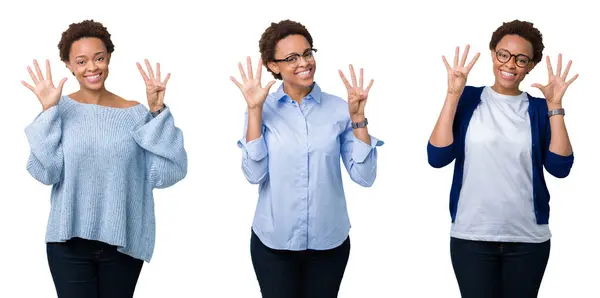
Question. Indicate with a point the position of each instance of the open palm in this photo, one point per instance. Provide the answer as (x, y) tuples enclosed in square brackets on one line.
[(44, 89), (357, 94), (557, 84), (458, 73), (251, 86), (155, 87)]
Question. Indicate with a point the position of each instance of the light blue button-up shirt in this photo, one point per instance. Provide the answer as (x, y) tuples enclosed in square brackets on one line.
[(296, 163)]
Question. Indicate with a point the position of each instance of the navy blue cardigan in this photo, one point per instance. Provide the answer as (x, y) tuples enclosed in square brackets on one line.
[(557, 165)]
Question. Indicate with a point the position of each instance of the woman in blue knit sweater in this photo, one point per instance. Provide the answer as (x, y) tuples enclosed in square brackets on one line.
[(102, 155), (501, 140)]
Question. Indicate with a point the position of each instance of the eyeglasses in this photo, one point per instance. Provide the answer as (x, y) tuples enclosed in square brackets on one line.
[(520, 60), (294, 59)]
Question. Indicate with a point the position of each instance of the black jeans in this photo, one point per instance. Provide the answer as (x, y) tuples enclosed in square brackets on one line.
[(499, 269), (92, 269), (299, 274)]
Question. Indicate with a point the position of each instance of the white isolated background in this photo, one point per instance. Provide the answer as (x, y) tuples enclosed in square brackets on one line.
[(400, 234)]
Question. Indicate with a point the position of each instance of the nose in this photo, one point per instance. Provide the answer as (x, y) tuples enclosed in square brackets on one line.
[(91, 67), (512, 62), (302, 61)]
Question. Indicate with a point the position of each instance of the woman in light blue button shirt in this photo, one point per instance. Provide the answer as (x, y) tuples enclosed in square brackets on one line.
[(291, 146)]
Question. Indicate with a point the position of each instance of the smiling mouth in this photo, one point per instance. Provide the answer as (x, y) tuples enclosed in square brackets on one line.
[(304, 73), (506, 74), (93, 78)]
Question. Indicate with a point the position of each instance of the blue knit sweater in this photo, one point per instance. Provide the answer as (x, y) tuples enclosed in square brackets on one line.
[(103, 163), (541, 157)]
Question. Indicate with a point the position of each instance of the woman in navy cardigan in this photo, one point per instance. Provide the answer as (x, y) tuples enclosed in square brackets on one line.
[(501, 139)]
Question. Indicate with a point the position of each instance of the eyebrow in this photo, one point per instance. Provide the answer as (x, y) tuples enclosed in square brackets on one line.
[(98, 53), (294, 53)]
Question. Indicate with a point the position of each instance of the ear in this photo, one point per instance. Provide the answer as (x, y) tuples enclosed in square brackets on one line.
[(108, 58), (530, 67), (493, 55), (68, 65), (273, 67)]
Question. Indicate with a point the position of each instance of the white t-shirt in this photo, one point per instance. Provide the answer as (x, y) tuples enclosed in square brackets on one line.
[(496, 198)]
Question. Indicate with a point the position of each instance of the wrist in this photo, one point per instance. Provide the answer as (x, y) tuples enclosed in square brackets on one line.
[(155, 108), (255, 111), (46, 107), (452, 97), (357, 117), (554, 106)]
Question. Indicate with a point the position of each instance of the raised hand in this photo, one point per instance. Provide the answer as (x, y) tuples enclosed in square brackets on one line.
[(557, 84), (44, 89), (458, 73), (251, 86), (155, 88), (357, 94)]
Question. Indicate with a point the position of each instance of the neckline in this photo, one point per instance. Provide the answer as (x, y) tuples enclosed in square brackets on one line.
[(522, 96), (100, 106)]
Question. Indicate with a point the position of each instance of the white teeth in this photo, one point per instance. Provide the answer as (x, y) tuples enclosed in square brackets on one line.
[(304, 73), (508, 74), (94, 77)]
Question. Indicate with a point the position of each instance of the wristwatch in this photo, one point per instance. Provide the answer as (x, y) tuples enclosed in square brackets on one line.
[(361, 124), (560, 111), (155, 113)]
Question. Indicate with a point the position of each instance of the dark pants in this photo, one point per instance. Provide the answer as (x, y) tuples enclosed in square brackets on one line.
[(299, 274), (499, 269), (91, 269)]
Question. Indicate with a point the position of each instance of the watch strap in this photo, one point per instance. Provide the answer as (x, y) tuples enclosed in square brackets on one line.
[(555, 112), (361, 124), (157, 112)]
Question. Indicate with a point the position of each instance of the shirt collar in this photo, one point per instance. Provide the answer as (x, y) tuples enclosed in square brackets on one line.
[(315, 94)]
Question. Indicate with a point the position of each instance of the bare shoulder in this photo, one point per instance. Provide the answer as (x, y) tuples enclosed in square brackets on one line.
[(123, 103)]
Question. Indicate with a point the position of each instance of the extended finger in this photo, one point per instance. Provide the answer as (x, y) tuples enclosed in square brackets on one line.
[(559, 66), (33, 77), (158, 72), (536, 85), (38, 70), (448, 68), (550, 70), (48, 71), (142, 72), (150, 71), (369, 86), (572, 79), (249, 65), (269, 85), (61, 84), (566, 73), (463, 60), (456, 53), (242, 72), (166, 79), (345, 80), (236, 82), (473, 62), (360, 79), (28, 86), (352, 75), (259, 70)]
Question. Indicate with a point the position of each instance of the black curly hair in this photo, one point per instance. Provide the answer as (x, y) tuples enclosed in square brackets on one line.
[(275, 33), (523, 29), (77, 31)]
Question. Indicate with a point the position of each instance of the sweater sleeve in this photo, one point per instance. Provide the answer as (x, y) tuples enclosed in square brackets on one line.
[(439, 157), (44, 134), (163, 141), (558, 166)]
